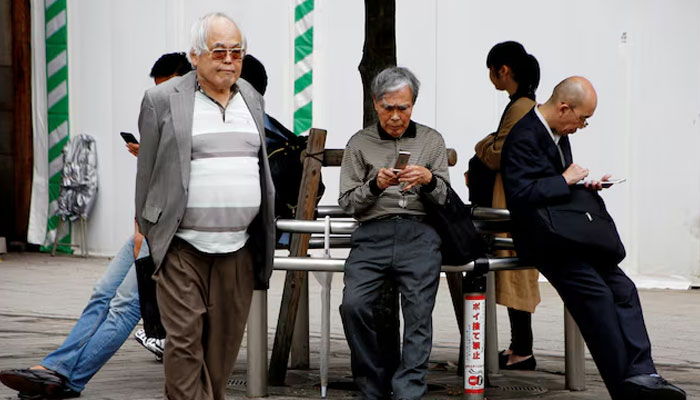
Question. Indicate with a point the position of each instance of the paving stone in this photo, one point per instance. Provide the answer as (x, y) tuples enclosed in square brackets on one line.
[(42, 296)]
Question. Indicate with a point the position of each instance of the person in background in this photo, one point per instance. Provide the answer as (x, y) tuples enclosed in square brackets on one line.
[(254, 72), (515, 71), (110, 315), (170, 65), (152, 335), (284, 151)]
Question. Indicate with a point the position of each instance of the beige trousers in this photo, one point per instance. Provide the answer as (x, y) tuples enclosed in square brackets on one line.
[(204, 301)]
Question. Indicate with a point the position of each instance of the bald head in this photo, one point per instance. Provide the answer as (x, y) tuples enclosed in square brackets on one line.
[(576, 91), (573, 101)]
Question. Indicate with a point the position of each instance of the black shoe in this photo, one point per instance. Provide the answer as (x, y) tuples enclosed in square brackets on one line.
[(527, 364), (502, 359), (65, 393), (652, 387), (37, 384)]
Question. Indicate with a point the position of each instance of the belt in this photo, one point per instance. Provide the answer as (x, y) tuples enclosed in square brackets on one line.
[(409, 217)]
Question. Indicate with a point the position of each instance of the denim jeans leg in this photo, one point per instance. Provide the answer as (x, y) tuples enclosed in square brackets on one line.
[(123, 315), (64, 359)]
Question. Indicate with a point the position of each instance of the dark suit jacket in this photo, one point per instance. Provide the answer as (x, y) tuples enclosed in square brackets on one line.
[(163, 174), (532, 168)]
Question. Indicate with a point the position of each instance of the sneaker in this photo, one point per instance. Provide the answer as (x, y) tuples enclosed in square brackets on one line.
[(140, 336), (153, 345)]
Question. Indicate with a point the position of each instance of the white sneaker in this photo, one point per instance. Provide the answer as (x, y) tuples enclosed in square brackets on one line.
[(153, 345)]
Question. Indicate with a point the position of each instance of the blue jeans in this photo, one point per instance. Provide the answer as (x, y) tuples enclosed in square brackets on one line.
[(107, 320)]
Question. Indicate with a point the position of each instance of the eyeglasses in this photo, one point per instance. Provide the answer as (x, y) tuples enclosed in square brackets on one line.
[(219, 54), (581, 120)]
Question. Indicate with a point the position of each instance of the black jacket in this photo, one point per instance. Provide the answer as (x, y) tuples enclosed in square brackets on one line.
[(532, 168)]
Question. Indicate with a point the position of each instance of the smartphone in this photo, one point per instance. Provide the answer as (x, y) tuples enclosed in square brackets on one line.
[(129, 137), (402, 161), (606, 184)]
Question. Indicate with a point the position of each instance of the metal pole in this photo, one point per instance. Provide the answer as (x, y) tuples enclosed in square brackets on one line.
[(257, 345), (339, 242), (478, 213), (332, 211), (487, 213), (309, 264), (303, 226), (474, 287), (325, 278), (83, 227), (491, 327), (574, 354), (58, 236), (342, 241), (338, 264)]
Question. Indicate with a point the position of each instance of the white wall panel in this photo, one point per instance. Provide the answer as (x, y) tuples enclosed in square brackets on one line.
[(641, 56)]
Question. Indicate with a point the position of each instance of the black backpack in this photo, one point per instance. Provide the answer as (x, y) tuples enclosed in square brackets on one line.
[(480, 181), (480, 178), (284, 154)]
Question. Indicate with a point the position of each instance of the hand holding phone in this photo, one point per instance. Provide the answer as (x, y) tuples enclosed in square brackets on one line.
[(402, 161), (606, 184), (129, 137)]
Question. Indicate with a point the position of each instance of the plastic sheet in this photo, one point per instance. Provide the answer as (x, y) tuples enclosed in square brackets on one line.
[(79, 179)]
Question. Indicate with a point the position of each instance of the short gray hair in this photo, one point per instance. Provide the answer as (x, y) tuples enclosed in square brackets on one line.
[(393, 79), (200, 32)]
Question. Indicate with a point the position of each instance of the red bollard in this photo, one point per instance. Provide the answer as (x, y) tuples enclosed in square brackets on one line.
[(474, 288)]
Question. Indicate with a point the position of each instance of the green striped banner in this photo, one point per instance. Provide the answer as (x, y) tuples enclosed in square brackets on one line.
[(303, 65), (57, 105)]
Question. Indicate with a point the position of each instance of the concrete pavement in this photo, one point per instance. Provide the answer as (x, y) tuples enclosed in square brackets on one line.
[(41, 297)]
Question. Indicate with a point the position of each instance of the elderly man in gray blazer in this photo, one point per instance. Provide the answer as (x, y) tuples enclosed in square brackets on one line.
[(205, 202)]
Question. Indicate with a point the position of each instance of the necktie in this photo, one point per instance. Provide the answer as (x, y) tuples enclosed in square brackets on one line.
[(561, 154)]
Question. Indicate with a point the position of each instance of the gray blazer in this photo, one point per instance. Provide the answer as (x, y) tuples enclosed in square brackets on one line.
[(163, 174)]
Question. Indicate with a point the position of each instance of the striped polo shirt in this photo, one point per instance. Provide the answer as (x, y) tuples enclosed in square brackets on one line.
[(224, 193)]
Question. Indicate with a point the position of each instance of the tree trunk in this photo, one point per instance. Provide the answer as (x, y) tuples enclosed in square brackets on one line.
[(379, 51), (22, 115)]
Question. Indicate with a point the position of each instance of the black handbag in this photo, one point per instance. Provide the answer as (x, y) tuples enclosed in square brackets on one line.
[(583, 223), (480, 181), (461, 243)]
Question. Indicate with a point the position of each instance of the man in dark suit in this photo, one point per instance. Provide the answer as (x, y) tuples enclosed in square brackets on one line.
[(205, 202), (538, 171)]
